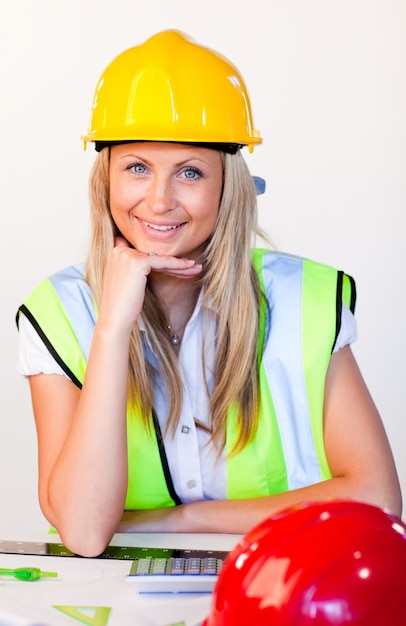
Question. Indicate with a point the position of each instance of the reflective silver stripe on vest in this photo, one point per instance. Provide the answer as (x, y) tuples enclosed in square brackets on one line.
[(283, 278), (74, 292)]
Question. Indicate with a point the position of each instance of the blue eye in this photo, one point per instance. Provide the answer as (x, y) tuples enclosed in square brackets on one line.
[(137, 168), (191, 173)]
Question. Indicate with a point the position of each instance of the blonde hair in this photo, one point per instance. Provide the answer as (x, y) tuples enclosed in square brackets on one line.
[(230, 288)]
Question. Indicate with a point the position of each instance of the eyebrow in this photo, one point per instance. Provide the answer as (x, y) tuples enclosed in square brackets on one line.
[(134, 155)]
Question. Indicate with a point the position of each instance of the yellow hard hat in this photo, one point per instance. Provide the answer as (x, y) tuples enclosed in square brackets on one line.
[(172, 89)]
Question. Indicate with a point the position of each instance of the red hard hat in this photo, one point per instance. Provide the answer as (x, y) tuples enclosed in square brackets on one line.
[(317, 564)]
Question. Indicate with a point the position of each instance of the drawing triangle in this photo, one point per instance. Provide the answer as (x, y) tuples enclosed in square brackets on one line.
[(89, 615)]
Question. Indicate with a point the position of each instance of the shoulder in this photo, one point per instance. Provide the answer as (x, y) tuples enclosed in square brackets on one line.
[(318, 292), (284, 261), (275, 267), (73, 274), (71, 282), (67, 280), (59, 294)]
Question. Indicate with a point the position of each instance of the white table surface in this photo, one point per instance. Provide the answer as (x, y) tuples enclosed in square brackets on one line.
[(95, 591)]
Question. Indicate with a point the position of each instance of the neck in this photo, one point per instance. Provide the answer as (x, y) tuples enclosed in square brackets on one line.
[(172, 291), (178, 297)]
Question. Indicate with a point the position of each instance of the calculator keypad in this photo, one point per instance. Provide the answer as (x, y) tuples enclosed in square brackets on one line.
[(176, 574), (193, 566)]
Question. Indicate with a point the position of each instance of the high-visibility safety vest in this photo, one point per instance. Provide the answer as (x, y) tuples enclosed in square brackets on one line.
[(299, 326)]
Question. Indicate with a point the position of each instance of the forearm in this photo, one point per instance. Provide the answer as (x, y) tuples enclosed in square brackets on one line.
[(86, 489), (238, 516)]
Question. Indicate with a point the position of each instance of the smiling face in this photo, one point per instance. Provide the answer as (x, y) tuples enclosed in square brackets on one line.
[(164, 197)]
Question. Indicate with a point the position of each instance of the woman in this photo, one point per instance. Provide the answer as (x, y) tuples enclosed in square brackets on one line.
[(182, 381)]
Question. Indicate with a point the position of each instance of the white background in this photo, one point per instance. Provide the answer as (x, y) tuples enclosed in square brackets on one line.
[(327, 81)]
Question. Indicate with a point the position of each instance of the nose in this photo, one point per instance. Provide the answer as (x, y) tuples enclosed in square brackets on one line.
[(160, 196)]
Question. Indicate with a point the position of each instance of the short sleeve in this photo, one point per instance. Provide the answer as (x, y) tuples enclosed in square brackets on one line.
[(348, 330), (33, 356)]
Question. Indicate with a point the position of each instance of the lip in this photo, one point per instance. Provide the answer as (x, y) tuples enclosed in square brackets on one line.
[(160, 231)]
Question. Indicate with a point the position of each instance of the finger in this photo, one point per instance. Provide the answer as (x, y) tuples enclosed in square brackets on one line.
[(159, 262), (188, 272)]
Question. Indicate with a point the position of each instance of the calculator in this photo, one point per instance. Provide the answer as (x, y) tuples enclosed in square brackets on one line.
[(176, 571)]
